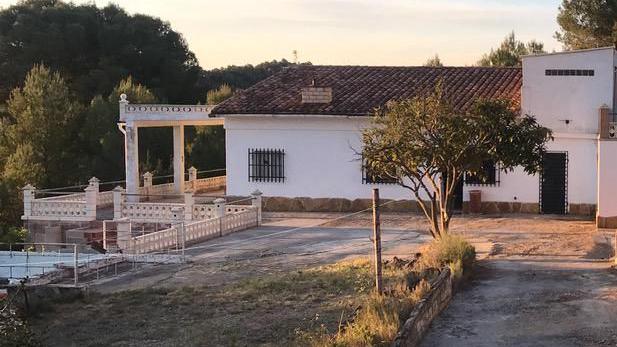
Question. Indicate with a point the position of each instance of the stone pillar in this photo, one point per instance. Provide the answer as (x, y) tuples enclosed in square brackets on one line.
[(189, 202), (147, 185), (256, 202), (131, 159), (193, 178), (179, 159), (219, 207), (118, 200), (28, 192), (92, 195)]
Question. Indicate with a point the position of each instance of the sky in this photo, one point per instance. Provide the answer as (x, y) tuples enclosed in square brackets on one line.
[(347, 32)]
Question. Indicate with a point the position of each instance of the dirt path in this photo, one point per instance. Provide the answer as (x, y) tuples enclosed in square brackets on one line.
[(543, 284)]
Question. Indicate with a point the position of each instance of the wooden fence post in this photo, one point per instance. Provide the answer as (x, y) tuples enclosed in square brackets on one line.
[(377, 241)]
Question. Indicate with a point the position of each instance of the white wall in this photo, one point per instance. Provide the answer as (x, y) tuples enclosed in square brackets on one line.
[(553, 99), (582, 179), (607, 202), (320, 161), (319, 156)]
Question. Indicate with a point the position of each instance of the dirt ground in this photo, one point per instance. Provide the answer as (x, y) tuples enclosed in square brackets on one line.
[(545, 282), (294, 242)]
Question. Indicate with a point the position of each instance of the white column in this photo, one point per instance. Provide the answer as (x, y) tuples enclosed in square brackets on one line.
[(131, 160), (179, 159)]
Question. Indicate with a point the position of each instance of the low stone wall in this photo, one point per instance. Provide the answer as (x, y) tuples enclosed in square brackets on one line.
[(305, 204), (493, 207), (425, 311)]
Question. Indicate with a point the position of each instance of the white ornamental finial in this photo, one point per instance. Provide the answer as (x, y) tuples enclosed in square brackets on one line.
[(123, 98)]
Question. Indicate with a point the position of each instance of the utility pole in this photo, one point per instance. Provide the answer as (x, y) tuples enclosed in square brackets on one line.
[(377, 241)]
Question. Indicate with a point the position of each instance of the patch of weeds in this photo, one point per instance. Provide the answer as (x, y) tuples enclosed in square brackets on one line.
[(14, 329), (446, 250)]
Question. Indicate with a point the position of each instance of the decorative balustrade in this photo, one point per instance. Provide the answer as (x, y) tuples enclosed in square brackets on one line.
[(203, 211), (58, 210), (150, 212), (83, 206), (166, 109), (203, 230)]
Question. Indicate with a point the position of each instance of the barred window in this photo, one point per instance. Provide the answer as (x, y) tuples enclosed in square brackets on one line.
[(489, 176), (369, 177), (266, 165)]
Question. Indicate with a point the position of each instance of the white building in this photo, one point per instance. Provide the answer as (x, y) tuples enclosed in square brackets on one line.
[(296, 134)]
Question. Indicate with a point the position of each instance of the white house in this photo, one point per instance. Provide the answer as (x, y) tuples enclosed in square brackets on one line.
[(296, 135)]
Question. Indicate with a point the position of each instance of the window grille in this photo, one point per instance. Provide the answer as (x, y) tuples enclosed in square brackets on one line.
[(489, 177), (266, 165), (568, 72), (372, 178)]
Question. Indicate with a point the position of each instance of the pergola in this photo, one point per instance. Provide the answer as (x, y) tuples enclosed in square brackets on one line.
[(134, 116)]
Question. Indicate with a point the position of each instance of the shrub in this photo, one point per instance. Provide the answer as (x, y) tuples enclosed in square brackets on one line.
[(11, 236), (380, 318), (448, 250)]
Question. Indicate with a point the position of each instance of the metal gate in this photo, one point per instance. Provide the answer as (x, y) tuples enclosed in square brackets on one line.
[(554, 183)]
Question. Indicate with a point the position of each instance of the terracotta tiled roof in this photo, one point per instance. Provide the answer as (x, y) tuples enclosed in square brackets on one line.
[(357, 90)]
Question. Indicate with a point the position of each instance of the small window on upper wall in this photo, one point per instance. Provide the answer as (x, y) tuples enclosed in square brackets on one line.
[(369, 177), (266, 165), (488, 177), (568, 72)]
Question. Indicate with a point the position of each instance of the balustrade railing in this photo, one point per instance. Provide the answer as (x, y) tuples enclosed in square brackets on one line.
[(58, 209), (150, 212), (178, 235)]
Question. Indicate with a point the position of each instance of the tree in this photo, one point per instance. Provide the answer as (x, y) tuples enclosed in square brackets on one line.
[(95, 48), (434, 61), (427, 148), (587, 23), (510, 52), (38, 135), (218, 95), (240, 77), (102, 144), (36, 139)]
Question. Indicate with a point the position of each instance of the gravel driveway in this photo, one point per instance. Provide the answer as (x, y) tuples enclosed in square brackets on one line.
[(548, 285)]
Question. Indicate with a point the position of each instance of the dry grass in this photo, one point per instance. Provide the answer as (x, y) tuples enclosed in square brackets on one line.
[(281, 309), (331, 305)]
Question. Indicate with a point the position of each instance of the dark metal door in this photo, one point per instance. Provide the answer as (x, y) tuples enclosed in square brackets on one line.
[(553, 183)]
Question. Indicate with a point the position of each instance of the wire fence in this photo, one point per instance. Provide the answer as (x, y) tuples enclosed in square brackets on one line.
[(109, 185)]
